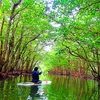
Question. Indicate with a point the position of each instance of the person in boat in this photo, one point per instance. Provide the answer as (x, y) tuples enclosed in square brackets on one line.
[(35, 75)]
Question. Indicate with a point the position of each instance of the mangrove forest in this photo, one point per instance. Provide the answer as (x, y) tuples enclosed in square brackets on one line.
[(60, 36)]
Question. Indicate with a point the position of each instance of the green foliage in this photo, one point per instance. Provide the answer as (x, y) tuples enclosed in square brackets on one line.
[(76, 37)]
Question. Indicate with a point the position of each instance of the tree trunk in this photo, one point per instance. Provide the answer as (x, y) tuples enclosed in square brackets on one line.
[(6, 48), (27, 64), (1, 47), (98, 64), (32, 63)]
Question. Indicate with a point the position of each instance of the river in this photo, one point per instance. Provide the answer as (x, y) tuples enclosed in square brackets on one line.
[(61, 88)]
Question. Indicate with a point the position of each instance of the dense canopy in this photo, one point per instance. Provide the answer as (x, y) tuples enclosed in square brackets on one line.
[(70, 28)]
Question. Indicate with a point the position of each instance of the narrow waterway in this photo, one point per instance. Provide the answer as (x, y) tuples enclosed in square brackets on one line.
[(62, 88)]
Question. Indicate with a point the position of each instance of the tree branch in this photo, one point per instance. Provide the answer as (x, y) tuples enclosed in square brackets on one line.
[(14, 6), (77, 55), (18, 12), (89, 5)]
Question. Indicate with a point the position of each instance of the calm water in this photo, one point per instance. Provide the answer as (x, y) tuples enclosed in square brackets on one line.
[(62, 88)]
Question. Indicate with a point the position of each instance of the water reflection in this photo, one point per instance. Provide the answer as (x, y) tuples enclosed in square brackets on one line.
[(69, 88), (99, 91), (62, 88), (34, 92)]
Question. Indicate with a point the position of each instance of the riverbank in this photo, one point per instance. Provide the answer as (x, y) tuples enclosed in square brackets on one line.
[(76, 75), (13, 73), (22, 72)]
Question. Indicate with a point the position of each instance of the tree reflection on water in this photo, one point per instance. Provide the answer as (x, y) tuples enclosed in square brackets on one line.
[(62, 88)]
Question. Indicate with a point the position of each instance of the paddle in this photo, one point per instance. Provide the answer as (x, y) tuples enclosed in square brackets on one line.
[(43, 75)]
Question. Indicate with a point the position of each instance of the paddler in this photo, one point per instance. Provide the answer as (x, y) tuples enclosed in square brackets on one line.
[(35, 76)]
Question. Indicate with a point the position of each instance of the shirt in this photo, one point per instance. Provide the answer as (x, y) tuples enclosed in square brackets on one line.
[(35, 76)]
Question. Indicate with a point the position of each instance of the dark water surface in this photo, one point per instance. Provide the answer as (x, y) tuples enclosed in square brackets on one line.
[(62, 88)]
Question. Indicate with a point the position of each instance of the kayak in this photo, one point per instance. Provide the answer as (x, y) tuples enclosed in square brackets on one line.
[(34, 84)]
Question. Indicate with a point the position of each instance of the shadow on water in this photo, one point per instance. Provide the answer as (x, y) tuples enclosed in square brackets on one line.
[(62, 88), (37, 93), (34, 93)]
